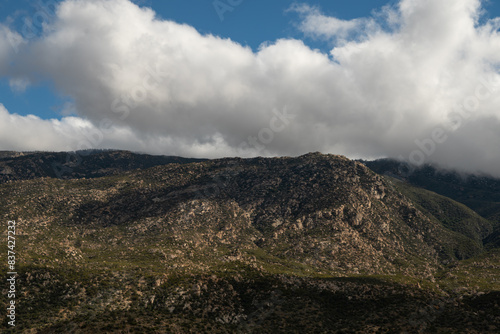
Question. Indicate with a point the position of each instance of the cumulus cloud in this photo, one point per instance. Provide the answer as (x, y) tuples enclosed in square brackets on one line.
[(9, 44), (418, 81), (316, 24)]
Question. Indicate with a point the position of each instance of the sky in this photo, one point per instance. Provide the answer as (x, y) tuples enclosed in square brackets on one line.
[(415, 80)]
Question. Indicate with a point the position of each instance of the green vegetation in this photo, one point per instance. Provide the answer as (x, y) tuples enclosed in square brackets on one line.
[(317, 243), (453, 215)]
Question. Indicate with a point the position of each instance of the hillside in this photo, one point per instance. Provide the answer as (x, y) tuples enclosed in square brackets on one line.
[(481, 193), (317, 243), (16, 166), (453, 215)]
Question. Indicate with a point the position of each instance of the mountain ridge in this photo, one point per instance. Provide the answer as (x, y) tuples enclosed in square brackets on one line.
[(237, 244)]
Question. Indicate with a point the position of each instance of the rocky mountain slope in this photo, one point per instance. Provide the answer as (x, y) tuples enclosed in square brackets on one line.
[(317, 243), (481, 193), (453, 215)]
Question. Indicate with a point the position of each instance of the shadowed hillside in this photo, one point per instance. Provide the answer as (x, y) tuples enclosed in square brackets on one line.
[(317, 243)]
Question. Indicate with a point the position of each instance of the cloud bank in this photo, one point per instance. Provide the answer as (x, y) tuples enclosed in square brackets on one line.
[(417, 81)]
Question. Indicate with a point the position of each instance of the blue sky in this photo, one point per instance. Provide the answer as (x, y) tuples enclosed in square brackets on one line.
[(250, 23)]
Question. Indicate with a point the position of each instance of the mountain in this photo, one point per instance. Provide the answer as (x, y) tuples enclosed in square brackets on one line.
[(80, 164), (481, 193), (453, 215), (317, 243)]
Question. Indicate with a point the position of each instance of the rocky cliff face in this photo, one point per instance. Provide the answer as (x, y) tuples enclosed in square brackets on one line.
[(237, 245)]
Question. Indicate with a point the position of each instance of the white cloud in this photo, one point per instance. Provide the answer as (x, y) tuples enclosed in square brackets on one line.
[(19, 84), (316, 24), (9, 44), (165, 88)]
